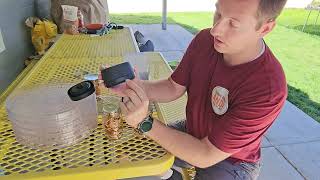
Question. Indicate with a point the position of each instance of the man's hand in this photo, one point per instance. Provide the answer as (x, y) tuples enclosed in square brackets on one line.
[(120, 88), (135, 105)]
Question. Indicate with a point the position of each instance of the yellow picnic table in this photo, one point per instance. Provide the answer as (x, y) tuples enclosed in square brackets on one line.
[(96, 157)]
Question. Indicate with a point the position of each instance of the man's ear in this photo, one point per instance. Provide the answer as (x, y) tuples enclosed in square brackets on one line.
[(267, 27)]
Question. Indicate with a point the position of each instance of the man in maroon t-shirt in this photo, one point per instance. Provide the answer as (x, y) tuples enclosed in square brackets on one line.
[(236, 89)]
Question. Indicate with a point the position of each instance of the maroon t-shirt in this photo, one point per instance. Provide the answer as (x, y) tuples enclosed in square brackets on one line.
[(232, 105)]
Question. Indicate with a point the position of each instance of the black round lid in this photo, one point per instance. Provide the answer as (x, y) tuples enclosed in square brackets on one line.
[(81, 90)]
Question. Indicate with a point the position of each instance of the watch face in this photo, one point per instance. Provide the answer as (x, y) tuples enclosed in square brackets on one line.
[(146, 126)]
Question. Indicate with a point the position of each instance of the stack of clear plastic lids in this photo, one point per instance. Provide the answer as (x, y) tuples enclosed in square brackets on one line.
[(45, 117)]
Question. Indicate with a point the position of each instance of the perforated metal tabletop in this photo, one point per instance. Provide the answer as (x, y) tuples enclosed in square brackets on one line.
[(96, 157)]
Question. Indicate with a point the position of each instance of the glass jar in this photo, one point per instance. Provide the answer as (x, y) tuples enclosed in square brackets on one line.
[(97, 86), (112, 118)]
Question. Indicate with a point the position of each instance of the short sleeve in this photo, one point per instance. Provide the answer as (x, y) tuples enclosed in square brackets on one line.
[(245, 124), (182, 73)]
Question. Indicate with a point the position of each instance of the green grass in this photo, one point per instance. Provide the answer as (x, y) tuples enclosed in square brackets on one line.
[(173, 64), (298, 52), (192, 21), (296, 18), (299, 55)]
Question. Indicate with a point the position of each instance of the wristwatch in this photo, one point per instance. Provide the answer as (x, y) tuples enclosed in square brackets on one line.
[(145, 125)]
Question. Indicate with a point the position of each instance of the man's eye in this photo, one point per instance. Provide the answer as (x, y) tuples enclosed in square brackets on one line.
[(217, 15), (234, 24)]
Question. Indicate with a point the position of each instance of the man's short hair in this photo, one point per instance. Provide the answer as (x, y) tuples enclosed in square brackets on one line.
[(269, 10)]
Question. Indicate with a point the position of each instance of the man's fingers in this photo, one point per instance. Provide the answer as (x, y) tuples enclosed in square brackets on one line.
[(130, 106), (119, 89), (125, 99), (136, 72), (102, 67), (117, 92), (136, 88), (133, 97), (123, 108)]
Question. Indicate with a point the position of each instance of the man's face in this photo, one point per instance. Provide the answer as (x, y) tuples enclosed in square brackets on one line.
[(234, 27)]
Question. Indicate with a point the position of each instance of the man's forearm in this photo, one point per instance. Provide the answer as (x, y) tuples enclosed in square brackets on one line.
[(183, 145), (160, 90)]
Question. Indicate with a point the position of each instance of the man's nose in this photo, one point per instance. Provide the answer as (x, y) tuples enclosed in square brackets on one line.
[(217, 28)]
